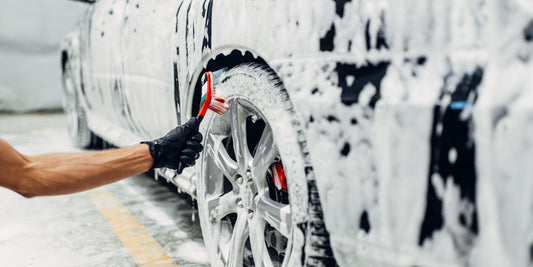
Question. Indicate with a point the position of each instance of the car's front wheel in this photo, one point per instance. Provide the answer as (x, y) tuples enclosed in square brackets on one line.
[(257, 199)]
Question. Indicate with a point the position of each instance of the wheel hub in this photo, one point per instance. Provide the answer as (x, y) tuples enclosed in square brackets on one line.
[(246, 191)]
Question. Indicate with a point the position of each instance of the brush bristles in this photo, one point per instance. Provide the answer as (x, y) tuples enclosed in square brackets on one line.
[(218, 106)]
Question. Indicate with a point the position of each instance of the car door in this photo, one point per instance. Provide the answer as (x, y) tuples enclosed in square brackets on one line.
[(148, 73)]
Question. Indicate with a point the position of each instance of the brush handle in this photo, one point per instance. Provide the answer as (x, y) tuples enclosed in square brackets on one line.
[(208, 94), (200, 118), (196, 126)]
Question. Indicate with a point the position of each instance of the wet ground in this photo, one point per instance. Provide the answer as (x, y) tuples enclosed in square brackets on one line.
[(137, 221)]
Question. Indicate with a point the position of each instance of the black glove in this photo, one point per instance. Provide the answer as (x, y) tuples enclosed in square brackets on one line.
[(179, 148), (190, 152)]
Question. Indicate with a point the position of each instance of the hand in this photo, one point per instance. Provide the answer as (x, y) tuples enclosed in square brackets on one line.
[(179, 148)]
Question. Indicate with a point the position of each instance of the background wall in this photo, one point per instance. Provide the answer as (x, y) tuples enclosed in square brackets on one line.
[(30, 33)]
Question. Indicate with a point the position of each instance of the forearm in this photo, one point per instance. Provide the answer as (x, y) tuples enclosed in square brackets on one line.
[(57, 174)]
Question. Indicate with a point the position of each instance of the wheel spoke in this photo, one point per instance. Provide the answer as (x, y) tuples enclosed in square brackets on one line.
[(276, 214), (220, 207), (238, 132), (238, 239), (217, 233), (221, 157), (257, 242), (265, 154)]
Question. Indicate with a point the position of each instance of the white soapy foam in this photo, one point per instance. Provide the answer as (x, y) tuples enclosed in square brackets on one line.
[(192, 252), (153, 212), (386, 170), (452, 155), (376, 160)]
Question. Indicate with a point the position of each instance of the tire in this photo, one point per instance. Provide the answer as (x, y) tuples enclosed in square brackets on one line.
[(80, 134), (246, 220)]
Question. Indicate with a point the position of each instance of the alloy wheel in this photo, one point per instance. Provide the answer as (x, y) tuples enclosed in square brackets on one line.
[(249, 217)]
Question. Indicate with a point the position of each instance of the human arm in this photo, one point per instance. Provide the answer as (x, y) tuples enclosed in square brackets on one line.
[(65, 173)]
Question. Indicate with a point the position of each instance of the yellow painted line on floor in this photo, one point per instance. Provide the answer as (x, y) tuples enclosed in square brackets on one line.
[(144, 249)]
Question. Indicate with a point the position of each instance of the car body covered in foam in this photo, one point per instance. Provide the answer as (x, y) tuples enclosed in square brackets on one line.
[(417, 115)]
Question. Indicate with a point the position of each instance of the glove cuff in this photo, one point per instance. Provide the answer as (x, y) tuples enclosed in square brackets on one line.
[(154, 152)]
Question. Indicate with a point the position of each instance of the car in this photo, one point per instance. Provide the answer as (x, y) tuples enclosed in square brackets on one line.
[(358, 133)]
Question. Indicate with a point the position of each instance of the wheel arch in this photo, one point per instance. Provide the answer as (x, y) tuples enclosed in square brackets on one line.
[(229, 57)]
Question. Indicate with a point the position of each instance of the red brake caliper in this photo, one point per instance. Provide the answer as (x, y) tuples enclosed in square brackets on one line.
[(278, 176)]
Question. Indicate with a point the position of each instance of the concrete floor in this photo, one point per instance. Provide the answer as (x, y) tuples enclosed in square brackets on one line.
[(72, 230)]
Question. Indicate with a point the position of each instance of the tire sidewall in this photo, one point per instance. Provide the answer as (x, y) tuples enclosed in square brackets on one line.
[(80, 134)]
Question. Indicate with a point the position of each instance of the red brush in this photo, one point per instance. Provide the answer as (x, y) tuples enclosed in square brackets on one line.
[(209, 101)]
